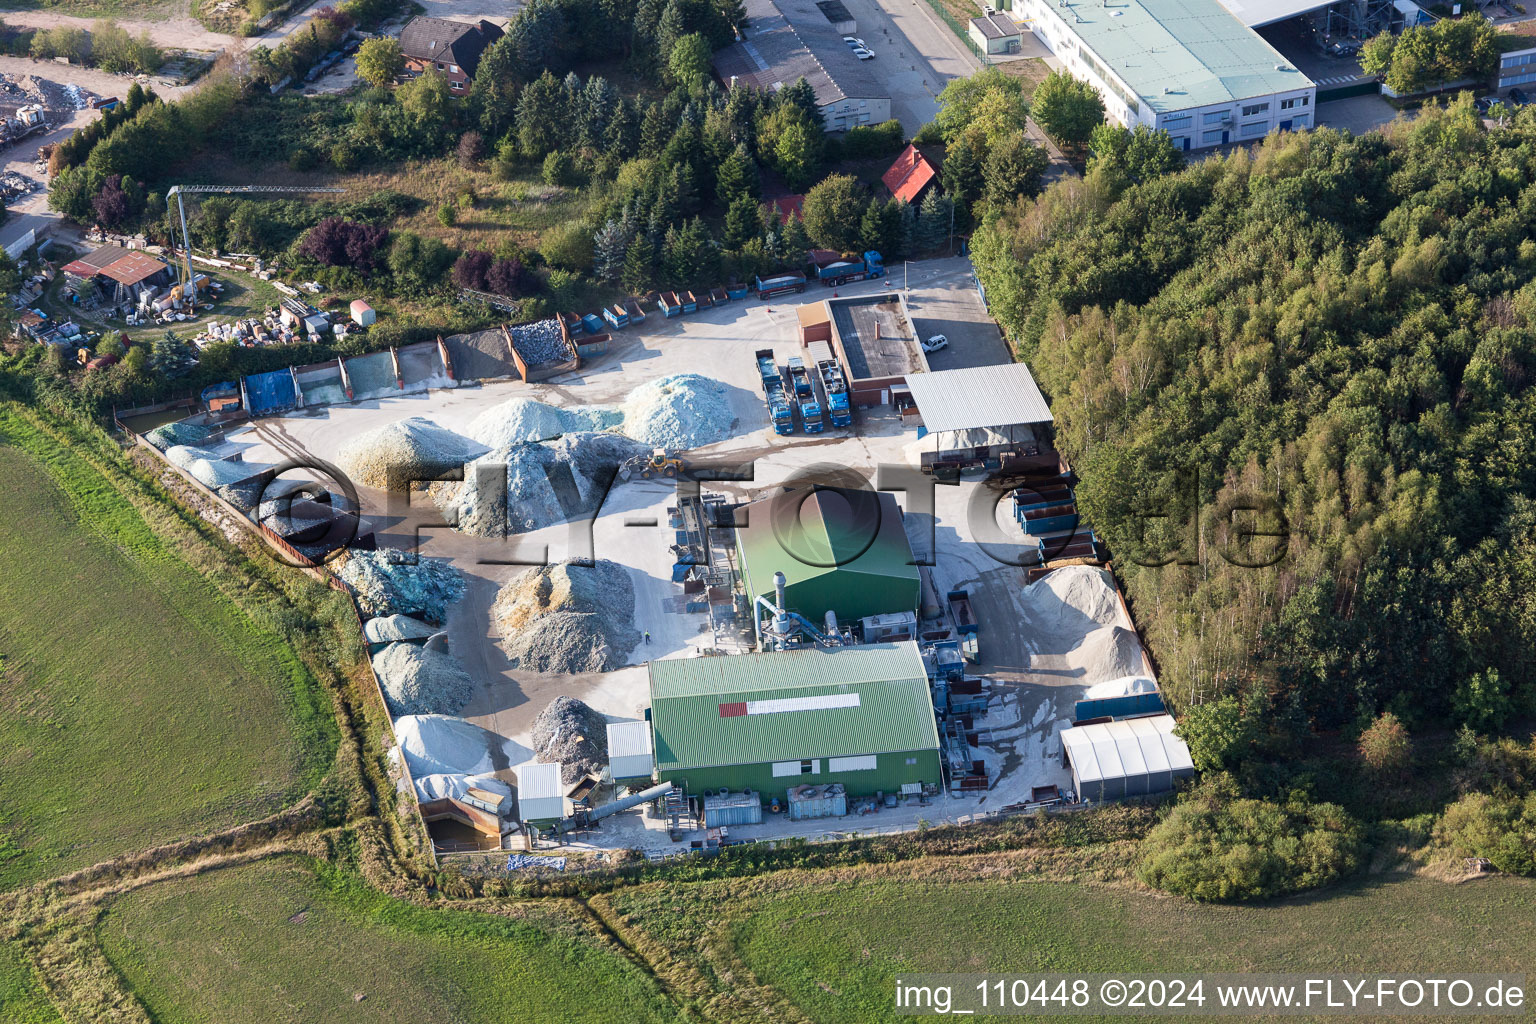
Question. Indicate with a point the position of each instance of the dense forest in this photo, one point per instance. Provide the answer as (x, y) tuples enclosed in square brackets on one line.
[(1331, 339)]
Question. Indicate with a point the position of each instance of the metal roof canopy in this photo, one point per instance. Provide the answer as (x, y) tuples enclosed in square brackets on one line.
[(1126, 749), (789, 705), (979, 396), (1257, 13), (1180, 54), (629, 750)]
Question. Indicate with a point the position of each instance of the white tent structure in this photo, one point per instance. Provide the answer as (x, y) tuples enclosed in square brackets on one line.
[(1131, 757), (979, 412)]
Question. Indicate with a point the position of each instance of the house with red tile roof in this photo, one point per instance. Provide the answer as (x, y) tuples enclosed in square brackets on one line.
[(910, 175)]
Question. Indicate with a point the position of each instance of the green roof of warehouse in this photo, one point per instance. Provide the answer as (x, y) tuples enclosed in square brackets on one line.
[(804, 534), (1196, 49), (699, 706)]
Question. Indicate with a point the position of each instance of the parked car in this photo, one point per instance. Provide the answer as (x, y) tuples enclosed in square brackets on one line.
[(1517, 98), (864, 53), (855, 42), (935, 343), (1484, 104)]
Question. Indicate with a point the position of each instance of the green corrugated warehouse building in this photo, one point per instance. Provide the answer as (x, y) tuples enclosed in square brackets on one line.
[(844, 551), (861, 716)]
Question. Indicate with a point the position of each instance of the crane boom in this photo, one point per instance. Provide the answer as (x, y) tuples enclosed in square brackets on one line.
[(186, 242)]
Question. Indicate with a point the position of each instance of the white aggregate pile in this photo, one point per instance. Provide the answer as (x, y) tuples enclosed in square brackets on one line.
[(679, 412), (1074, 619), (169, 435), (518, 420), (444, 745), (421, 681), (568, 618), (1112, 652), (387, 583), (1068, 602), (389, 628), (396, 454), (572, 735), (546, 483)]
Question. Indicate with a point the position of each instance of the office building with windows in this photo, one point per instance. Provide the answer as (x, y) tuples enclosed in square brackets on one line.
[(1189, 67)]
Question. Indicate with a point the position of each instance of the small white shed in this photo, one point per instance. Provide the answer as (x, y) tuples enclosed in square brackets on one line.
[(540, 793), (629, 751)]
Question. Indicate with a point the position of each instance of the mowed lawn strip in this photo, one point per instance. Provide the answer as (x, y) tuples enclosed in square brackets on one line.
[(142, 706), (835, 950), (286, 940), (21, 1000)]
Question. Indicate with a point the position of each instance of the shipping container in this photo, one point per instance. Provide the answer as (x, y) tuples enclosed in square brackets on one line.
[(727, 808), (807, 802)]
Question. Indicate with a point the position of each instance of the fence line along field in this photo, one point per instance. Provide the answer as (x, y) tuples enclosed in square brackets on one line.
[(307, 943), (142, 706)]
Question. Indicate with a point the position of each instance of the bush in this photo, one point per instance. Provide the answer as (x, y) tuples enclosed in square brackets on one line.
[(559, 168), (873, 140), (1214, 846), (1500, 829)]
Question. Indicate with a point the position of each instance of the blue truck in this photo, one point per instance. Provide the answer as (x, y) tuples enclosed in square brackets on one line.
[(805, 395), (835, 385), (779, 284), (779, 409), (845, 271)]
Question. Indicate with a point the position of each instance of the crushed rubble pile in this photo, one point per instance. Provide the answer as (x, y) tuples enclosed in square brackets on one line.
[(421, 681), (444, 745), (393, 456), (572, 735), (169, 435), (679, 412), (388, 581), (389, 628), (519, 420), (184, 455), (568, 618), (540, 342), (546, 483)]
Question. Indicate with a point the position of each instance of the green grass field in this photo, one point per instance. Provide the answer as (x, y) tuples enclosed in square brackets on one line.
[(274, 941), (21, 1002), (833, 948), (142, 706)]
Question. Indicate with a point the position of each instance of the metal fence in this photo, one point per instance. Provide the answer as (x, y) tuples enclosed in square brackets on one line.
[(963, 31)]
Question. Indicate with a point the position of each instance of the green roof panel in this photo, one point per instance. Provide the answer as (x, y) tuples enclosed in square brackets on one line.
[(789, 705)]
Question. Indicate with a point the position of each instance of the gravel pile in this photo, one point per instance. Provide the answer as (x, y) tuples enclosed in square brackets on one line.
[(540, 342), (393, 456), (1111, 652), (568, 618), (444, 745), (387, 583), (169, 435), (519, 420), (389, 628), (679, 412), (1071, 601), (420, 681), (546, 483), (572, 735), (184, 455)]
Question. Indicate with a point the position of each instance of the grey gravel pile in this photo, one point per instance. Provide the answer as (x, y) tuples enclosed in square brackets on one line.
[(386, 583), (540, 342), (568, 618), (419, 681), (169, 435), (394, 456), (519, 420), (547, 483), (572, 735), (389, 628)]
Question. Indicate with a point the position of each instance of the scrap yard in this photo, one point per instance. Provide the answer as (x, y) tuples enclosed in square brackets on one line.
[(631, 584)]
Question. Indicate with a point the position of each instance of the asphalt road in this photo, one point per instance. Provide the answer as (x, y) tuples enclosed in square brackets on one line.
[(916, 55)]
